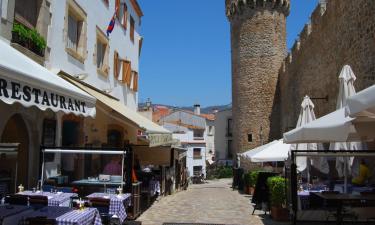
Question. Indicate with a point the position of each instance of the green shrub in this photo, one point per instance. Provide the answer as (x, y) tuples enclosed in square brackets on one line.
[(225, 172), (29, 37), (247, 179), (253, 178), (276, 186), (21, 31)]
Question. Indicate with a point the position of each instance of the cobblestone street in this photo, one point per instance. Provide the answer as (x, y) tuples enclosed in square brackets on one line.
[(213, 203)]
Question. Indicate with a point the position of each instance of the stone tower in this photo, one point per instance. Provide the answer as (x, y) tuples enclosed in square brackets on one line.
[(258, 42)]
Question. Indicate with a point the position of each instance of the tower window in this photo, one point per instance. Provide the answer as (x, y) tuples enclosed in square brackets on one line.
[(250, 137)]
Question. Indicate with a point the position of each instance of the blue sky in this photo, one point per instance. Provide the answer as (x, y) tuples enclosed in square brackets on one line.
[(186, 52)]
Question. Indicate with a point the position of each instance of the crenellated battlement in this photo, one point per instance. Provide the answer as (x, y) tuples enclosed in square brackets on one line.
[(237, 7), (315, 20)]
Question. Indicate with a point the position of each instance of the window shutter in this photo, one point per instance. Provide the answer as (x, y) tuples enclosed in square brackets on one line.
[(126, 72), (125, 18), (140, 46), (115, 65), (135, 82), (117, 8)]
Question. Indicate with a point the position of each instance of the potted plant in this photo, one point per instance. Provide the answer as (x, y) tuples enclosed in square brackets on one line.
[(253, 177), (247, 180), (276, 186)]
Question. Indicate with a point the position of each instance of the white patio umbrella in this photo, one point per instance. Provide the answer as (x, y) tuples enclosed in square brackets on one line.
[(277, 151), (346, 90), (306, 116)]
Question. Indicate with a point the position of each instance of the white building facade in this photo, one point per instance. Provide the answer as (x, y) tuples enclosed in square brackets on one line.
[(223, 137), (80, 47), (191, 131), (196, 148)]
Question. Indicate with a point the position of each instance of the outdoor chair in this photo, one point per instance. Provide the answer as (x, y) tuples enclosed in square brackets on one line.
[(16, 199), (103, 207), (38, 201), (40, 221)]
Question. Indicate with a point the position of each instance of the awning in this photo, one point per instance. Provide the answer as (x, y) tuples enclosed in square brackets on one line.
[(329, 128), (156, 134), (248, 154), (362, 104), (275, 151), (26, 82)]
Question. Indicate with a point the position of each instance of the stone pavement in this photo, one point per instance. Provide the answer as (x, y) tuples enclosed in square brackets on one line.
[(213, 203)]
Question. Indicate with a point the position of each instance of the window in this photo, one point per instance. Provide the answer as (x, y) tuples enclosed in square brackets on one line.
[(102, 52), (132, 24), (198, 134), (197, 153), (126, 72), (140, 46), (135, 81), (75, 31), (249, 137), (229, 127), (27, 11), (210, 130), (116, 65), (230, 149), (125, 16)]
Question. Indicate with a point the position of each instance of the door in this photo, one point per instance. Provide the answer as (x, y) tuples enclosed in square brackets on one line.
[(15, 131)]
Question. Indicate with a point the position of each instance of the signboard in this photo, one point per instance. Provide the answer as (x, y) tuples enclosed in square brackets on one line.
[(12, 91), (160, 139)]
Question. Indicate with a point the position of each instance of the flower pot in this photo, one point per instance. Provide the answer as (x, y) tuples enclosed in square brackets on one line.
[(247, 189), (279, 214)]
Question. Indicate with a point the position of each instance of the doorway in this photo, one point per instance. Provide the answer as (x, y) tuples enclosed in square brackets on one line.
[(15, 131)]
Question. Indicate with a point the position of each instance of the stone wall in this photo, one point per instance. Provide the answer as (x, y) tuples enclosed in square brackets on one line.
[(258, 33), (342, 32)]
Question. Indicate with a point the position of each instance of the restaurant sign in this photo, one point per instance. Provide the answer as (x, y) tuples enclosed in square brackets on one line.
[(12, 91)]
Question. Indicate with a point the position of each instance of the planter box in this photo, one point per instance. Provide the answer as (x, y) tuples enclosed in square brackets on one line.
[(279, 214)]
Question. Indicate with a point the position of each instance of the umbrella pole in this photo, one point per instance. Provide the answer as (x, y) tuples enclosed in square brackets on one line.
[(345, 176)]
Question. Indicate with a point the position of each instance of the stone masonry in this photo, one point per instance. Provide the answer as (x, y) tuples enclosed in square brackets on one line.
[(340, 32), (258, 41), (268, 92)]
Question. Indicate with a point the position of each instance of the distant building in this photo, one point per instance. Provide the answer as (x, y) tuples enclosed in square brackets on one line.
[(223, 124), (196, 132)]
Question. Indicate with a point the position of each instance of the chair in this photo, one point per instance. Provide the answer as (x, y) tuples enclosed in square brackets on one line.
[(38, 201), (40, 221), (17, 199), (102, 205)]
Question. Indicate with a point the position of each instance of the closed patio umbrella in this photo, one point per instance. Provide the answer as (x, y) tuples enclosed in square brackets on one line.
[(346, 90), (306, 116)]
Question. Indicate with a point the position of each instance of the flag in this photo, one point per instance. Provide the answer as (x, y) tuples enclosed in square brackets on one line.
[(111, 25)]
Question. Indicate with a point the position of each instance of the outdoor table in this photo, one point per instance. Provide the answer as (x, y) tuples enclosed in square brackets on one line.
[(12, 214), (117, 203), (342, 199), (68, 216), (86, 216), (54, 199), (304, 198), (50, 212)]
